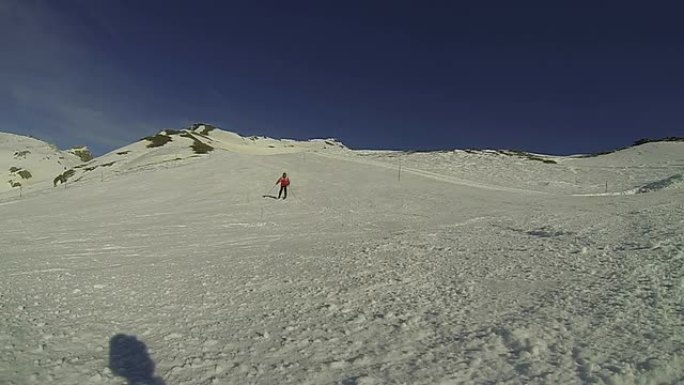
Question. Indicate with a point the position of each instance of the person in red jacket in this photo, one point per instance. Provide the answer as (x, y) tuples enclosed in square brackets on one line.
[(284, 182)]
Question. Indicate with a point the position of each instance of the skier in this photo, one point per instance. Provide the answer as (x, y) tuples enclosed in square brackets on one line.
[(284, 182)]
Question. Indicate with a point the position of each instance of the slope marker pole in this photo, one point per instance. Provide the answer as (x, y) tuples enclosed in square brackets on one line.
[(399, 174)]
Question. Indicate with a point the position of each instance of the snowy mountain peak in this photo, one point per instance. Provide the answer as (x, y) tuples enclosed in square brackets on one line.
[(204, 138), (202, 128), (312, 144)]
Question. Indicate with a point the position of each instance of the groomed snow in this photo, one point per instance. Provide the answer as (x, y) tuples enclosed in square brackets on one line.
[(379, 268)]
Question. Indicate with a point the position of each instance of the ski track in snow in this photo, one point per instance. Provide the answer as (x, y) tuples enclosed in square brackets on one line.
[(356, 278), (427, 174)]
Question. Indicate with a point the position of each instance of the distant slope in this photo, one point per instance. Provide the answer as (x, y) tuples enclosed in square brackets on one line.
[(30, 162), (38, 165), (620, 171), (256, 145), (638, 143), (172, 148)]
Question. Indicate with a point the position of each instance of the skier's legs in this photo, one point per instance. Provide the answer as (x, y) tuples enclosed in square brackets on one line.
[(285, 192), (281, 191)]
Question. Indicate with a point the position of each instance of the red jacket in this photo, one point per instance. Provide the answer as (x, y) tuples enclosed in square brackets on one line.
[(284, 182)]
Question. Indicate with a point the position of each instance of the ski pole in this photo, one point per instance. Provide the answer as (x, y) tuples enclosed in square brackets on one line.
[(269, 191)]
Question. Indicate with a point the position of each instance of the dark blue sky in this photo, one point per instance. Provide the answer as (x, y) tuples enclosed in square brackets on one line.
[(548, 76)]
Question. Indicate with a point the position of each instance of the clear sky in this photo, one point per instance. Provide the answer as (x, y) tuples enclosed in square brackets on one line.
[(548, 76)]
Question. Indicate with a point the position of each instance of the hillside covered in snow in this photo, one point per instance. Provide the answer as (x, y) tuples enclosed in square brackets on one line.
[(26, 162), (52, 167), (168, 262)]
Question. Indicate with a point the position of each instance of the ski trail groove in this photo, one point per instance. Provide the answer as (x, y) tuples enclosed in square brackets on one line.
[(429, 174)]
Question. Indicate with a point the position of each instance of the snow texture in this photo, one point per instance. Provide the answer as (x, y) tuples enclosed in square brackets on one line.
[(158, 265)]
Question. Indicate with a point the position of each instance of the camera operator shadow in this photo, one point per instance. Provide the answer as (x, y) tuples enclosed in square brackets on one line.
[(128, 358)]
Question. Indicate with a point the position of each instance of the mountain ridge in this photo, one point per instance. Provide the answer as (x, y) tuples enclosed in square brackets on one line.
[(52, 167)]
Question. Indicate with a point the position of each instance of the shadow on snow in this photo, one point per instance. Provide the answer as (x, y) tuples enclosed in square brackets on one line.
[(128, 358)]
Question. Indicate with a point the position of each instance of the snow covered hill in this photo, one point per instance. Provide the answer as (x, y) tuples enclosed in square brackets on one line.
[(169, 148), (173, 265), (619, 172), (28, 162)]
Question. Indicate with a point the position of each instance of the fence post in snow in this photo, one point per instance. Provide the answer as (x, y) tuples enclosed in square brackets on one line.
[(606, 186), (399, 175)]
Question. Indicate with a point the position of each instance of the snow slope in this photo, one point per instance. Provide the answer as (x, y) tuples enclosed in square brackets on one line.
[(613, 173), (31, 162), (170, 147), (436, 273)]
